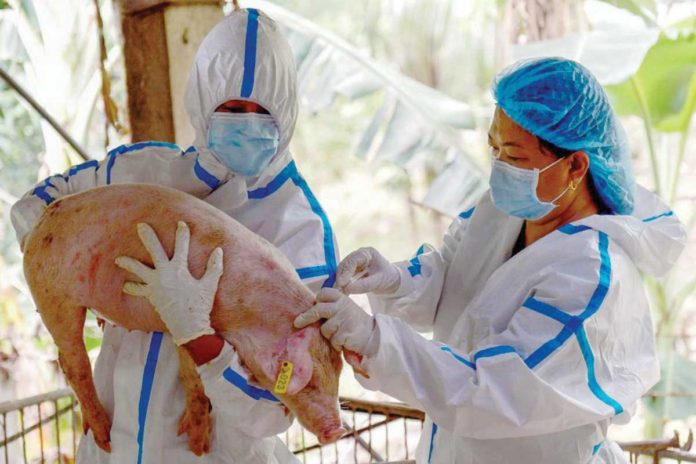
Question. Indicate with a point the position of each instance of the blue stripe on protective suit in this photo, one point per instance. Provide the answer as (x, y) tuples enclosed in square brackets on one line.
[(493, 351), (597, 447), (206, 177), (240, 382), (571, 229), (129, 148), (40, 191), (588, 356), (146, 388), (312, 271), (650, 219), (467, 214), (415, 268), (290, 172), (572, 325), (250, 53), (433, 432), (82, 166), (461, 359), (273, 185)]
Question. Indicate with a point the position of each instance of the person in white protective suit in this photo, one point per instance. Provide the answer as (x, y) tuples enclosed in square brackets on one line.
[(242, 102), (542, 330)]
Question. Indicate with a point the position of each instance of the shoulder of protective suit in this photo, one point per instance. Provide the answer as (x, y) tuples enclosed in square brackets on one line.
[(147, 146)]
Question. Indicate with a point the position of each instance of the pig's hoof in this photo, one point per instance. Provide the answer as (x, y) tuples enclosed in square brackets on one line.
[(101, 431), (197, 423)]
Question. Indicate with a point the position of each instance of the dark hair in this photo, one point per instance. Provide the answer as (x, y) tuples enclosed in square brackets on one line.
[(560, 152)]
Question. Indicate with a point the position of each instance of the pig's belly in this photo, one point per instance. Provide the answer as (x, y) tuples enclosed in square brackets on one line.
[(77, 247)]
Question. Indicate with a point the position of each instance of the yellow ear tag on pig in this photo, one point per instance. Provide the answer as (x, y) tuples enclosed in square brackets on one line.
[(284, 376)]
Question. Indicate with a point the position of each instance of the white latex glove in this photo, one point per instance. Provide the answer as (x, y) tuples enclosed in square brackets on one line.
[(182, 302), (366, 270), (347, 325)]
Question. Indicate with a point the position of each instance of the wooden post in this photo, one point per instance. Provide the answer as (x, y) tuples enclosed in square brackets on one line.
[(160, 41)]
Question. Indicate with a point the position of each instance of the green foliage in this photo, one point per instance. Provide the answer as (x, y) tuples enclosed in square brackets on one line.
[(664, 88), (681, 380)]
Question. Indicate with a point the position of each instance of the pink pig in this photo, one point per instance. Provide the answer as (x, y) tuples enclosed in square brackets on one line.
[(69, 266)]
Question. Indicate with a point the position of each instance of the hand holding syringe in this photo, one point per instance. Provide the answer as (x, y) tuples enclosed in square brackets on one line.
[(366, 270)]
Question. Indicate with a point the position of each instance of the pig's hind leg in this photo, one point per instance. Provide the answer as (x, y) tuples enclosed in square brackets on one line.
[(66, 323), (196, 420)]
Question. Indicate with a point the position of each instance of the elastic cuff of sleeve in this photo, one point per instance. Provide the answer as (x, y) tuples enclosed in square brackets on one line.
[(214, 368), (405, 280), (192, 336)]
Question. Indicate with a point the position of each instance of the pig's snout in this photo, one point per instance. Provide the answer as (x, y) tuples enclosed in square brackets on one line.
[(331, 434)]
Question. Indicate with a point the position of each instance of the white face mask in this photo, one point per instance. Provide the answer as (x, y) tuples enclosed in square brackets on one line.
[(514, 190), (244, 142)]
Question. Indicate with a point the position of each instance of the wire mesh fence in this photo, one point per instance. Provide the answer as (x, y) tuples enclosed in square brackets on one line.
[(46, 429)]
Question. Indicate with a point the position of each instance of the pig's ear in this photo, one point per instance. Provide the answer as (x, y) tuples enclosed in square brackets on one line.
[(355, 360), (296, 350)]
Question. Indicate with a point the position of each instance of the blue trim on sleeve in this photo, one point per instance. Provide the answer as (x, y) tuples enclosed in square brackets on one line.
[(82, 166), (206, 177), (493, 351), (415, 268), (146, 388), (604, 278), (462, 360), (546, 309), (650, 219), (240, 382), (120, 150), (433, 432), (467, 214), (250, 52), (597, 447), (591, 377), (127, 148), (573, 325), (40, 191), (190, 149), (545, 350)]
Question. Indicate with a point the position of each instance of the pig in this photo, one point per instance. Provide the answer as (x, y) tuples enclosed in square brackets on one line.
[(69, 267)]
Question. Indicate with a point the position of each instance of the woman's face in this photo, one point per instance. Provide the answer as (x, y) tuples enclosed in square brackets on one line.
[(512, 144)]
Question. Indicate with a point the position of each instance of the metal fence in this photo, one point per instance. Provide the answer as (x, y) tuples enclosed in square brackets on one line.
[(46, 429)]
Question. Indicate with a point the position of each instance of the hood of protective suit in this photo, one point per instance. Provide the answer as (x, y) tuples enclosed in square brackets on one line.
[(652, 236), (244, 57)]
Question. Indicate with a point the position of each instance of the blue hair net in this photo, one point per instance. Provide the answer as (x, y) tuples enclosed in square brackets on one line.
[(561, 102)]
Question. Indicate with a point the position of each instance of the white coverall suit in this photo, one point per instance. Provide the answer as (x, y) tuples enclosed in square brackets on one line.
[(243, 57), (534, 355)]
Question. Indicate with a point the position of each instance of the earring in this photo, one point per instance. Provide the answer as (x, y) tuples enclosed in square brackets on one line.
[(573, 186)]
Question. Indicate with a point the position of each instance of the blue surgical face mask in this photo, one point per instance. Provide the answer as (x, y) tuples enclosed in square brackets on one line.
[(244, 142), (514, 191)]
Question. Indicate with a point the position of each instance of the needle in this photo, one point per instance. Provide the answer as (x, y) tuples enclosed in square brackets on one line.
[(358, 275)]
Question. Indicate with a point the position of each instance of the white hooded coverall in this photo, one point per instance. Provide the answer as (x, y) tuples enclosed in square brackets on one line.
[(244, 57), (534, 355)]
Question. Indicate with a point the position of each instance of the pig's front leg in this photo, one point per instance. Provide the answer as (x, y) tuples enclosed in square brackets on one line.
[(196, 420)]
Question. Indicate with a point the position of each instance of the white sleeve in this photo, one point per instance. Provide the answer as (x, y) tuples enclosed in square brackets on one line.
[(549, 369), (422, 278), (147, 162), (226, 385)]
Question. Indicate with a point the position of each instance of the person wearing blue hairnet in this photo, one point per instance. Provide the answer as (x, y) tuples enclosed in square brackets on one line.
[(542, 330)]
